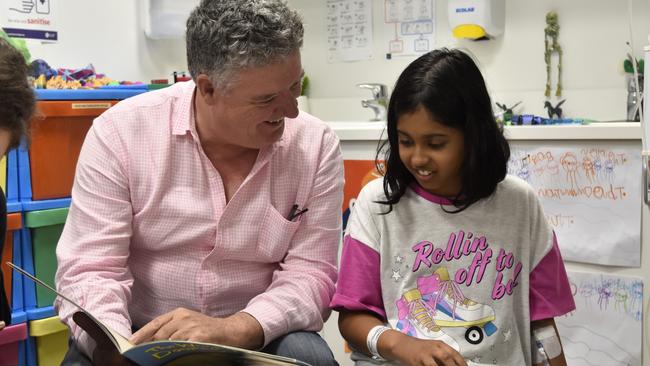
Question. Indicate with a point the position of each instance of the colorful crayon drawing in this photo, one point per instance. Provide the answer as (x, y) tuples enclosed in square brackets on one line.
[(606, 327), (587, 190)]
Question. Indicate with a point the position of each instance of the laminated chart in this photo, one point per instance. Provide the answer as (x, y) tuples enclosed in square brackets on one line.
[(409, 27), (349, 30)]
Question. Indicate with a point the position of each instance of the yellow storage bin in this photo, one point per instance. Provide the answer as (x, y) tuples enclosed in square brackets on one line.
[(51, 340)]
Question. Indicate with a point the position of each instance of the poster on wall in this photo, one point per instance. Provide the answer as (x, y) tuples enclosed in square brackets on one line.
[(409, 27), (606, 327), (591, 195), (29, 19), (349, 30)]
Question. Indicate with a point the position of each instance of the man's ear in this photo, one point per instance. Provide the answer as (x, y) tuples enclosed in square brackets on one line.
[(206, 88)]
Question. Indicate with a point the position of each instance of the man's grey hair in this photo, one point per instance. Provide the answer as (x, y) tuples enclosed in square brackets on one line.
[(225, 36)]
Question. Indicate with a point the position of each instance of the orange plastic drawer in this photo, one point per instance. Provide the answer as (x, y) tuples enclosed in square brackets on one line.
[(14, 222), (58, 131)]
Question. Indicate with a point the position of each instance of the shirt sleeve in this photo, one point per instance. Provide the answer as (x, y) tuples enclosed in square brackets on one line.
[(550, 291), (359, 286), (302, 288), (93, 249)]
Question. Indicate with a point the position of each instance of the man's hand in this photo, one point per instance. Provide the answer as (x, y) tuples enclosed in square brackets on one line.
[(239, 330)]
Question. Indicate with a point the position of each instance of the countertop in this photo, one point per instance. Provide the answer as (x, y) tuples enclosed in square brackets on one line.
[(373, 131)]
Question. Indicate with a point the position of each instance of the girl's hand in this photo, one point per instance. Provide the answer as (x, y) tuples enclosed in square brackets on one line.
[(412, 351)]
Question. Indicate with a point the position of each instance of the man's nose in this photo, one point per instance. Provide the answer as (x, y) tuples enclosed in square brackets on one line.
[(289, 105)]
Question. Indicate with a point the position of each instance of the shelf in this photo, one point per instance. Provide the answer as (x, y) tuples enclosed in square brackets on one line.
[(373, 131)]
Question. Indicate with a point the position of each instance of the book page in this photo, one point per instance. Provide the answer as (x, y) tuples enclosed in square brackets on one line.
[(179, 353)]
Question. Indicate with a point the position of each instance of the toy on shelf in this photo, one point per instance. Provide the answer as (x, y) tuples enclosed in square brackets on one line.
[(506, 112), (181, 76), (555, 116), (554, 111), (551, 46), (46, 77)]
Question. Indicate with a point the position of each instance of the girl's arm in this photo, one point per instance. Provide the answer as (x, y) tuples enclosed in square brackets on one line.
[(553, 360), (394, 345)]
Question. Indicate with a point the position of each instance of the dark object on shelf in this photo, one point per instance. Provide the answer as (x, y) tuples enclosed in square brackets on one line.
[(181, 76), (557, 111), (507, 111)]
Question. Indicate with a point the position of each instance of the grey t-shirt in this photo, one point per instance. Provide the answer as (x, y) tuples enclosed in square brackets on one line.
[(461, 278)]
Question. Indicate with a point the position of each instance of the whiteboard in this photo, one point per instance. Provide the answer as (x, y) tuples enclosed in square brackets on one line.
[(591, 194)]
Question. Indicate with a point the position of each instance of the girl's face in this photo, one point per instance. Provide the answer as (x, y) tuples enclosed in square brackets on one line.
[(431, 151)]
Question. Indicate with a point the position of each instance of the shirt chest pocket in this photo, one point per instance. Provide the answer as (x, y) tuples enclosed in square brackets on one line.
[(257, 238), (274, 236)]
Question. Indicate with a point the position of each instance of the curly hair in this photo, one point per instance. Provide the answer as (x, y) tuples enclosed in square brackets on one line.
[(224, 36), (17, 98)]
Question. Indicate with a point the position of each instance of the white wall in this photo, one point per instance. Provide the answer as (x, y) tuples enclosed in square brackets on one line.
[(110, 35), (593, 33)]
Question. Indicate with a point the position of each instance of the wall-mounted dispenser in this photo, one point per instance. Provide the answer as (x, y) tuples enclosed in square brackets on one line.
[(476, 19), (165, 19)]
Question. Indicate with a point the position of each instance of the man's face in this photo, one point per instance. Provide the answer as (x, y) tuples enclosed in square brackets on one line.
[(251, 112)]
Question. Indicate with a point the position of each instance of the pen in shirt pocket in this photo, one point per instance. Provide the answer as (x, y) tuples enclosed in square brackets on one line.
[(295, 212)]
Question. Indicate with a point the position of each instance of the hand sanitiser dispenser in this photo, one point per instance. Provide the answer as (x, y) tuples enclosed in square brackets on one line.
[(476, 19)]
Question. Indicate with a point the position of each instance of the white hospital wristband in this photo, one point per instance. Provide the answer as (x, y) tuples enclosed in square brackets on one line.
[(373, 338)]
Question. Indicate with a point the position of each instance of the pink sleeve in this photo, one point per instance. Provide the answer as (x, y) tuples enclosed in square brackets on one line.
[(93, 249), (550, 292), (359, 286)]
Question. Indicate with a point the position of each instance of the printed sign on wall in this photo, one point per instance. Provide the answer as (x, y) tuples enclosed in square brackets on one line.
[(30, 19)]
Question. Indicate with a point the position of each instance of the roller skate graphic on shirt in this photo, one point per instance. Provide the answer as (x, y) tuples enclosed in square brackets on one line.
[(416, 318), (453, 309)]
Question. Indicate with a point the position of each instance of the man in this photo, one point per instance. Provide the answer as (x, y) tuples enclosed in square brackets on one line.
[(16, 109), (210, 210)]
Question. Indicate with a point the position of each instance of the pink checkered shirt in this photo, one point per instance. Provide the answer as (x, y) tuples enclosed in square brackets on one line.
[(149, 229)]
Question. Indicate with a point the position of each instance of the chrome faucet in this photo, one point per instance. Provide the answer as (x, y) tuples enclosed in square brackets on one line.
[(379, 102), (634, 99)]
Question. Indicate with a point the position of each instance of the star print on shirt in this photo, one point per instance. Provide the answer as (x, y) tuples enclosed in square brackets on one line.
[(506, 335), (396, 275), (398, 259)]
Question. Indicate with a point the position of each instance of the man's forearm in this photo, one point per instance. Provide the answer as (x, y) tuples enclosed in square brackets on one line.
[(246, 331)]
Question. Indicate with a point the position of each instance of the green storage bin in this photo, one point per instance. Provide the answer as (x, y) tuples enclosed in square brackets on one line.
[(45, 227)]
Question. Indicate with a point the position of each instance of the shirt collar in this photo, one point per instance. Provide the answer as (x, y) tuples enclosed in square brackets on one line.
[(428, 195), (183, 111)]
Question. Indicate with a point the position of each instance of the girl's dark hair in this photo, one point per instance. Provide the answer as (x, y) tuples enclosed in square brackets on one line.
[(449, 85), (16, 96)]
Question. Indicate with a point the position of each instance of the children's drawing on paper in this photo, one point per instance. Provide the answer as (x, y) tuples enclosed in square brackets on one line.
[(586, 191), (606, 327)]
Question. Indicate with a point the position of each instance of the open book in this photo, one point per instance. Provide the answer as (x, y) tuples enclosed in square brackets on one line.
[(170, 353)]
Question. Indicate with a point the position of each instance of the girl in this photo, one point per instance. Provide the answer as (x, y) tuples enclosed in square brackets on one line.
[(448, 261)]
